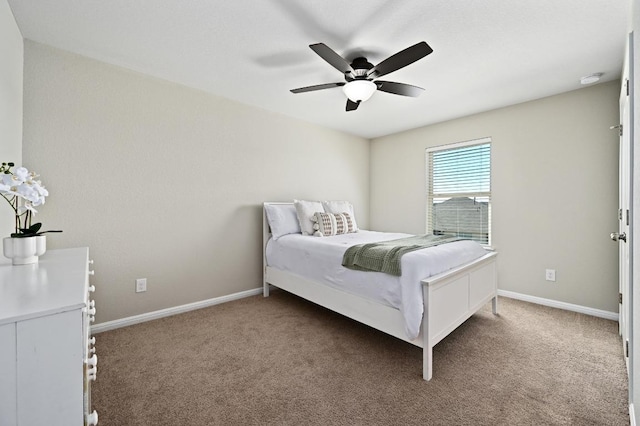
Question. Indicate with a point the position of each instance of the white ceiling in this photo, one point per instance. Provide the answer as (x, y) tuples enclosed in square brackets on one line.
[(487, 53)]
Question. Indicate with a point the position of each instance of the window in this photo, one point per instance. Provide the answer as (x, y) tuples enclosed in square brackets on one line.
[(459, 190)]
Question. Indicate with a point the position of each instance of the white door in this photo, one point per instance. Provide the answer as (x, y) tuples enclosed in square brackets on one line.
[(624, 205)]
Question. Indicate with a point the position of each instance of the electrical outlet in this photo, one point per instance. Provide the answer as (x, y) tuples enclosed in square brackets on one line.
[(141, 285), (550, 274)]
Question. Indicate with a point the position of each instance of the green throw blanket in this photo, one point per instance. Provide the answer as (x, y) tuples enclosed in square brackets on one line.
[(385, 256)]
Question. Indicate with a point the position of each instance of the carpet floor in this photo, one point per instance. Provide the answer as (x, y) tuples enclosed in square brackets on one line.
[(285, 361)]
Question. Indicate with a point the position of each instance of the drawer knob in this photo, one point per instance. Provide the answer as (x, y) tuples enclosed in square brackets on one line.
[(92, 318), (92, 419), (92, 272), (93, 360), (90, 261), (92, 311), (92, 288), (92, 341)]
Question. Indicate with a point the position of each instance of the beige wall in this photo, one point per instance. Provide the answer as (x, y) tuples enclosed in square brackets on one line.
[(150, 174), (166, 183), (554, 188), (11, 58)]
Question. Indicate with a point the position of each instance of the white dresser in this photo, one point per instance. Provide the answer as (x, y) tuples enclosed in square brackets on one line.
[(47, 358)]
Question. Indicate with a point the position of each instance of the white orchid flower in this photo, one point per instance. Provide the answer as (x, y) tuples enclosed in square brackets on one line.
[(27, 191), (6, 181), (22, 174), (41, 190)]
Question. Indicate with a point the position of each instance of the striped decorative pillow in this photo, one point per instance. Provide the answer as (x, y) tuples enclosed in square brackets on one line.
[(327, 224), (341, 207)]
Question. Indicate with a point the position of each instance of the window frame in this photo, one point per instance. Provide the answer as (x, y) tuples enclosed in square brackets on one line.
[(482, 194)]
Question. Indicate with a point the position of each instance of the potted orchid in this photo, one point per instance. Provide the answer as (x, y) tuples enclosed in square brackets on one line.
[(21, 189)]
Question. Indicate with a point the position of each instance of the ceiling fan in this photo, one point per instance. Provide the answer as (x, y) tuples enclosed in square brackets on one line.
[(360, 74)]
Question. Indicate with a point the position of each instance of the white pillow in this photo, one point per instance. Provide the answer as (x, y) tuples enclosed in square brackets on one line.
[(305, 211), (282, 219), (341, 207)]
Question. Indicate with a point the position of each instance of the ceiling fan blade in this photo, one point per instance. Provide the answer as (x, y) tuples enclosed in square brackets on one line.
[(335, 60), (352, 106), (400, 59), (399, 88), (317, 87)]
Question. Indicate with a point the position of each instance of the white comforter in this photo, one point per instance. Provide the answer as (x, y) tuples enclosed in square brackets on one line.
[(320, 259)]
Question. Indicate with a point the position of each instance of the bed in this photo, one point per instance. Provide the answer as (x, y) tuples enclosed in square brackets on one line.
[(437, 291)]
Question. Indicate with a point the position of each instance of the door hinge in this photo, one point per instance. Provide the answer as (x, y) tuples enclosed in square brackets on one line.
[(627, 217), (627, 84), (626, 348), (620, 298), (619, 214)]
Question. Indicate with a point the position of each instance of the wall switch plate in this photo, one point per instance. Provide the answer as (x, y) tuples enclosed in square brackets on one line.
[(550, 275), (141, 285)]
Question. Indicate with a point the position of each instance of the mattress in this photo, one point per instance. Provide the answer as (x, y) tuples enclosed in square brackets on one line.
[(320, 260)]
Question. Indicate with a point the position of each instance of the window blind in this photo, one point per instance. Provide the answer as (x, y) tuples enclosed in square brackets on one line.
[(459, 190)]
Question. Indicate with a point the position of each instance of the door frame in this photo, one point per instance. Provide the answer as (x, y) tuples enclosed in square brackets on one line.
[(624, 204)]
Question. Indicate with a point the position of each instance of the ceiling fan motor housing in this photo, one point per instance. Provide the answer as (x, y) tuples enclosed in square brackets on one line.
[(360, 67)]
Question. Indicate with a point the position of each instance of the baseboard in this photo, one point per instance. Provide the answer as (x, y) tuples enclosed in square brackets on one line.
[(149, 316), (632, 415), (136, 319), (560, 305)]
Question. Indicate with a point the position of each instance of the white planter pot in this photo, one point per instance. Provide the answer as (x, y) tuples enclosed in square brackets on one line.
[(23, 251)]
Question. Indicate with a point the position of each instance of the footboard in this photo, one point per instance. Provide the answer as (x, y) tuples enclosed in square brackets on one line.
[(451, 298)]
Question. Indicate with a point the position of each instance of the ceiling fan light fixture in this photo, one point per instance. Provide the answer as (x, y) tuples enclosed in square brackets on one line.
[(359, 90)]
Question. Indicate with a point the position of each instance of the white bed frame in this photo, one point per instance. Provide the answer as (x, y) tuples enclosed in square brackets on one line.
[(450, 299)]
